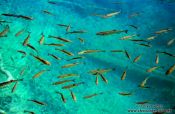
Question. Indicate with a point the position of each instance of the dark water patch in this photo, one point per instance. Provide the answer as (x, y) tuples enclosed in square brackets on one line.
[(4, 102)]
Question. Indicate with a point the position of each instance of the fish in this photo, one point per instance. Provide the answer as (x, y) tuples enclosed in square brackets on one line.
[(110, 32), (170, 42), (4, 32), (2, 84), (166, 53), (33, 48), (170, 70), (125, 93), (123, 75), (39, 74), (22, 71), (77, 32), (103, 78), (63, 25), (25, 17), (89, 51), (138, 40), (47, 12), (70, 65), (22, 52), (137, 58), (133, 26), (100, 71), (134, 15), (117, 51), (108, 15), (54, 44), (59, 38), (9, 15), (68, 28), (68, 75), (14, 87), (2, 21), (37, 102), (26, 40), (98, 15), (158, 113), (41, 60), (72, 85), (151, 37), (143, 102), (157, 59), (17, 16), (118, 2), (41, 41), (75, 58), (111, 14), (127, 54), (153, 69), (19, 32), (163, 31), (73, 96), (62, 96), (96, 80), (92, 95), (66, 52), (142, 84), (145, 45), (128, 37), (62, 82), (52, 2), (81, 40), (30, 112), (55, 57)]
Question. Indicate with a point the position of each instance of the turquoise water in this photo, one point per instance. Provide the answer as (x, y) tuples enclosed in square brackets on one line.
[(150, 16)]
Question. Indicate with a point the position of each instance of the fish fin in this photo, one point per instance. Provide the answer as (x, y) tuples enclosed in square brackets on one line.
[(20, 79)]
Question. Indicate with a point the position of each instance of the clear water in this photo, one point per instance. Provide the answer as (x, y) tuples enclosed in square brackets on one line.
[(154, 15)]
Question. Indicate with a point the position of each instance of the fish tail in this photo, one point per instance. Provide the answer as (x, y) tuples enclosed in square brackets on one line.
[(42, 34), (126, 31), (20, 79), (58, 92), (49, 36)]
